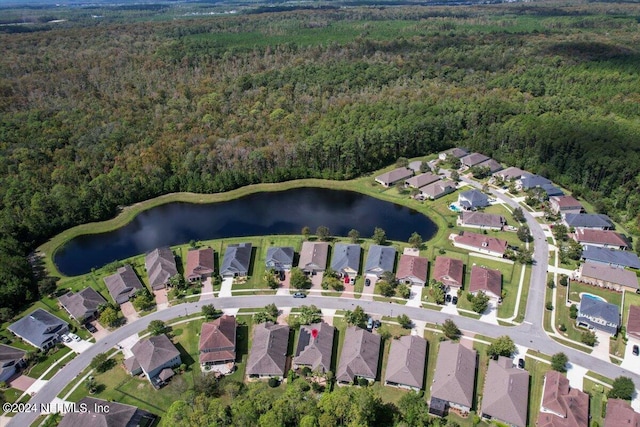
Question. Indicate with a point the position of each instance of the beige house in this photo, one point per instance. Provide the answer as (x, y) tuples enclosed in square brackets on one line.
[(565, 204), (608, 277), (360, 356), (454, 381), (387, 179), (405, 366), (505, 396), (313, 257)]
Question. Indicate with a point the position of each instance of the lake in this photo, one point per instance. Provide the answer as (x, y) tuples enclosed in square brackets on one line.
[(284, 212)]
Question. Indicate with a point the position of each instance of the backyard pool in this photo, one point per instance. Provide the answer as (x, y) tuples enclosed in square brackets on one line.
[(454, 207), (591, 296)]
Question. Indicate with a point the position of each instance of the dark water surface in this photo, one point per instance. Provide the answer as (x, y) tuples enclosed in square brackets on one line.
[(284, 212)]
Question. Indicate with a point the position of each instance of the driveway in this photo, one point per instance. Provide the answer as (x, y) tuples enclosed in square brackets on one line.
[(101, 331), (162, 300), (601, 349), (630, 361), (22, 382), (316, 281), (575, 375), (79, 346), (207, 289), (285, 284), (225, 288), (491, 313), (129, 312), (367, 291), (415, 298)]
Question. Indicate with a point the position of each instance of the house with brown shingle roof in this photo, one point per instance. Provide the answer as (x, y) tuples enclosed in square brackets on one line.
[(315, 347), (123, 284), (601, 238), (621, 414), (608, 277), (161, 266), (506, 393), (387, 179), (562, 406), (405, 365), (487, 280), (454, 380), (268, 354), (313, 257), (360, 356), (633, 322), (199, 264), (154, 356), (437, 189), (449, 271), (412, 270), (421, 180), (218, 343), (481, 220), (565, 204), (102, 413), (473, 159), (83, 305), (510, 173), (479, 243), (455, 152), (493, 165)]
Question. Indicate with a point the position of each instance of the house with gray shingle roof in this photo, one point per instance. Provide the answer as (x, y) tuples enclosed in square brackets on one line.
[(83, 305), (268, 354), (315, 347), (506, 393), (96, 415), (313, 257), (405, 365), (529, 181), (510, 173), (161, 266), (380, 259), (608, 277), (493, 165), (387, 179), (551, 190), (473, 159), (360, 356), (346, 259), (471, 200), (437, 189), (484, 221), (237, 259), (455, 152), (594, 313), (11, 359), (596, 221), (40, 328), (154, 356), (421, 180), (279, 258), (454, 381), (611, 257), (123, 284)]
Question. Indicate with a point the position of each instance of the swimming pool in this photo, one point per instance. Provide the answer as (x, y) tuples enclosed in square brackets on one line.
[(591, 296), (454, 208)]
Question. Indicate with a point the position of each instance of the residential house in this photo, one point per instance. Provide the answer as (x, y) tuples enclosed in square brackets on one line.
[(405, 366), (611, 257), (608, 277), (506, 393), (161, 267), (454, 380), (599, 238), (123, 284), (472, 200), (479, 243), (387, 179), (313, 257), (528, 181), (199, 264), (83, 305), (237, 259), (268, 354), (562, 406), (102, 413), (484, 221), (437, 189), (510, 174), (551, 190), (633, 322), (360, 356), (595, 221), (315, 347), (40, 328), (11, 359), (621, 414), (421, 180), (487, 280), (279, 258), (380, 259), (493, 165), (473, 159), (217, 344), (412, 270), (594, 313), (565, 204), (154, 357), (455, 152), (346, 259), (449, 271)]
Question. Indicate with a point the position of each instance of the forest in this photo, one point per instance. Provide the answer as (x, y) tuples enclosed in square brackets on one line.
[(98, 114)]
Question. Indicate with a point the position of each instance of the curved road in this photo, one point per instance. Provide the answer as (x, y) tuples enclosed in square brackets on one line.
[(529, 334)]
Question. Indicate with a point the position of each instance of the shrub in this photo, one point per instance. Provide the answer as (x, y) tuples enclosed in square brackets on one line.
[(273, 382)]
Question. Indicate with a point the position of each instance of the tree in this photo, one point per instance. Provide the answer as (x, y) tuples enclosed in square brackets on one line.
[(455, 176), (91, 385), (271, 280), (402, 162), (560, 232), (589, 338), (453, 162), (414, 410), (268, 314), (438, 294), (298, 279), (178, 282), (415, 240), (354, 235), (109, 317), (390, 278), (157, 327), (357, 317), (405, 321), (518, 215), (564, 280), (379, 236), (306, 232), (573, 249), (101, 363), (47, 286), (450, 329), (143, 300), (573, 311), (386, 289), (480, 302), (524, 234), (209, 312), (403, 291), (622, 388), (559, 362), (525, 256), (323, 233), (309, 314), (551, 283), (424, 167), (502, 346)]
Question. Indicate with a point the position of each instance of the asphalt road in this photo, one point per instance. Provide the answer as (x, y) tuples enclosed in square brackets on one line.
[(529, 334)]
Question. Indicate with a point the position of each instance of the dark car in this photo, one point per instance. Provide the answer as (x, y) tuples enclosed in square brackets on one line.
[(454, 300), (521, 363), (367, 282), (281, 274), (448, 298), (377, 324), (636, 350), (299, 295), (90, 328)]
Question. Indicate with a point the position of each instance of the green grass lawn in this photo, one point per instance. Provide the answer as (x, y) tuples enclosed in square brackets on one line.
[(537, 370), (52, 357), (576, 288), (597, 401)]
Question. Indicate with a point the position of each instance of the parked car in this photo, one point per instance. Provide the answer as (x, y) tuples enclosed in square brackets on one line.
[(352, 280), (367, 282), (636, 350), (377, 324), (89, 327), (521, 363), (447, 298), (299, 295), (370, 323), (65, 338), (74, 337), (282, 276), (454, 300)]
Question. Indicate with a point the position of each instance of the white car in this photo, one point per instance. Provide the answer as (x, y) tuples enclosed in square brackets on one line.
[(65, 338), (75, 337)]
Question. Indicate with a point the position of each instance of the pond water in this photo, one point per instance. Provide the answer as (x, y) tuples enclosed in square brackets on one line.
[(284, 212)]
